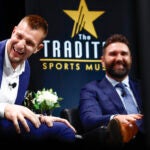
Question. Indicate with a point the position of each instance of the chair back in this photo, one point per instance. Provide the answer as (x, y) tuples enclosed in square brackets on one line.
[(72, 115)]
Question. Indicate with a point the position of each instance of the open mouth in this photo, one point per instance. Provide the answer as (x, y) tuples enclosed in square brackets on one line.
[(20, 52)]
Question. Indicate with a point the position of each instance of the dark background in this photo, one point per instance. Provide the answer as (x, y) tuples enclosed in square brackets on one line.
[(135, 25), (119, 17)]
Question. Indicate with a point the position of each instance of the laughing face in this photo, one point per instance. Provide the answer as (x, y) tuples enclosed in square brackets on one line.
[(117, 60), (23, 43)]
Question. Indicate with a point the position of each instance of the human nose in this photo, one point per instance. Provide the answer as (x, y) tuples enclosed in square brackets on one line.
[(119, 57), (21, 44)]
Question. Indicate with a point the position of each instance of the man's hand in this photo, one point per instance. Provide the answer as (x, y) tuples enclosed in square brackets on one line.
[(17, 113), (128, 131), (128, 125), (128, 119), (50, 119)]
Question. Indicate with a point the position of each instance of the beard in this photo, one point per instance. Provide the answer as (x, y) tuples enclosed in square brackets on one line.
[(118, 73)]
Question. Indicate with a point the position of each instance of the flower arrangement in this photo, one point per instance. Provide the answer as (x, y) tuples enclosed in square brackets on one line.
[(43, 101)]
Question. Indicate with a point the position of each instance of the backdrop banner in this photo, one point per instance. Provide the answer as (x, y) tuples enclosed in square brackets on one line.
[(72, 50)]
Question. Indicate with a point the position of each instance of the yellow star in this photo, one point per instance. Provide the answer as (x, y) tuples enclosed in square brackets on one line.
[(83, 18)]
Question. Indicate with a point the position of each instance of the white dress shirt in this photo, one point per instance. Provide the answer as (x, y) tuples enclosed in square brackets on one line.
[(8, 92)]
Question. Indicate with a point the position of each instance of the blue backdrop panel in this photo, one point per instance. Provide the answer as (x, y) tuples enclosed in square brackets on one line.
[(72, 49)]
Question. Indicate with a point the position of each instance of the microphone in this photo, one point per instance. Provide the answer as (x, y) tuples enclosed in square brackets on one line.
[(13, 85), (123, 94)]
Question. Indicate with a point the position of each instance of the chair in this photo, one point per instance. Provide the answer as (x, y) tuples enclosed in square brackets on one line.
[(98, 135), (72, 115), (101, 136)]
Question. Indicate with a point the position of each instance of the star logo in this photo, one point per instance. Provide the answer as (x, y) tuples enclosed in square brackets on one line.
[(83, 19)]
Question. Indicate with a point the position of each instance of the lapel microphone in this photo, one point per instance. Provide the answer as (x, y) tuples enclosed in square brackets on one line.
[(13, 85)]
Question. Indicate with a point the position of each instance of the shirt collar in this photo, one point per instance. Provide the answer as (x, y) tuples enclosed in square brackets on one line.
[(114, 82)]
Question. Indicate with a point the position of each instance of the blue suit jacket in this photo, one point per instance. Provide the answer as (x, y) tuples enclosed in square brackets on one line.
[(99, 100), (23, 79), (59, 130)]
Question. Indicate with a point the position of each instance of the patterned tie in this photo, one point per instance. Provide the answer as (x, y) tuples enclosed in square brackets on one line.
[(130, 106)]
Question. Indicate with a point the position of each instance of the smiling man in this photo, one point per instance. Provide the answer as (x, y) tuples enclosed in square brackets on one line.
[(15, 119), (112, 97)]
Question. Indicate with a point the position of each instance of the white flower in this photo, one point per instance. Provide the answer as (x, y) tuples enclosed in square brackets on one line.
[(42, 101), (47, 96)]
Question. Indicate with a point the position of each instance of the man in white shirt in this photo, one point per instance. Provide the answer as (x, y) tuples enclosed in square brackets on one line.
[(26, 39)]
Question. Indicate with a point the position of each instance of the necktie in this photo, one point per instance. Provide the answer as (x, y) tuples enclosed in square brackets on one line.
[(130, 106)]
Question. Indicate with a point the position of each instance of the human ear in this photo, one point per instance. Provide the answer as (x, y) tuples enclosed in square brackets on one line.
[(38, 48)]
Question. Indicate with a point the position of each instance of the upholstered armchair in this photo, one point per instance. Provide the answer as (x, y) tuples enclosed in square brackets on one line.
[(72, 115), (99, 136)]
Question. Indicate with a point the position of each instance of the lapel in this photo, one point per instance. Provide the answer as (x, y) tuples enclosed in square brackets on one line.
[(2, 52), (113, 96), (135, 87), (23, 79)]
